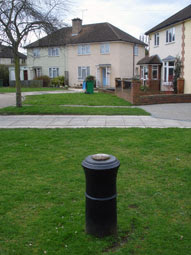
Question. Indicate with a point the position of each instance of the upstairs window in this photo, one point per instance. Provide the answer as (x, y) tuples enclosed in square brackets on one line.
[(36, 53), (136, 50), (170, 35), (156, 42), (84, 49), (105, 48), (53, 52)]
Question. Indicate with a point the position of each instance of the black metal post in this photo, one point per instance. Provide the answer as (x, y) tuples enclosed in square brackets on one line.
[(101, 210)]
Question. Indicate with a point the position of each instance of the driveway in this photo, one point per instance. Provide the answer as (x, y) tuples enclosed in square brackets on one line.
[(9, 99), (170, 111)]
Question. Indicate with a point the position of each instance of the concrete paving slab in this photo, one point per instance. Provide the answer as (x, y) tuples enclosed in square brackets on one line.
[(57, 121)]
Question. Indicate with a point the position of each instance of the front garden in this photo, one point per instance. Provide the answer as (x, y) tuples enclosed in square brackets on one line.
[(42, 188)]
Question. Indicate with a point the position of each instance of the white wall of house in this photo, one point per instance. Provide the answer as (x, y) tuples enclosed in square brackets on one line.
[(12, 73), (9, 61), (187, 63), (45, 61), (120, 59), (165, 49)]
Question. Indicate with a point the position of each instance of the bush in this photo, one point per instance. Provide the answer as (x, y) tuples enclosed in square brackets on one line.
[(4, 74), (90, 78), (45, 79), (58, 81)]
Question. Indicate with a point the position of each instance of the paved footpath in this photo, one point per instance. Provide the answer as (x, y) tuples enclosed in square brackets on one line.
[(88, 121)]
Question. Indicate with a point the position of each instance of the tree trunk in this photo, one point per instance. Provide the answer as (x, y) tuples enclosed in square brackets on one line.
[(18, 84)]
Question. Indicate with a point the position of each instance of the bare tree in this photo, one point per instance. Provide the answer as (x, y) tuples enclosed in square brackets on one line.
[(18, 18)]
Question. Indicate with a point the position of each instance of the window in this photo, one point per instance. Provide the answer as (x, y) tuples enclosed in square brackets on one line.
[(156, 42), (144, 72), (170, 35), (154, 72), (37, 72), (168, 71), (53, 72), (104, 48), (53, 52), (136, 50), (84, 49), (36, 53), (83, 72)]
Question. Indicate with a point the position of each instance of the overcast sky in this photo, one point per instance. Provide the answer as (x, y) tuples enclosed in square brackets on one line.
[(132, 16)]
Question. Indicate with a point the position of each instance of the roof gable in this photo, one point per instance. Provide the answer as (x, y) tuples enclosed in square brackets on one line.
[(100, 32), (182, 15)]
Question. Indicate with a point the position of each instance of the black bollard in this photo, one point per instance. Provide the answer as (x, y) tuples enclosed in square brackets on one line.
[(101, 210)]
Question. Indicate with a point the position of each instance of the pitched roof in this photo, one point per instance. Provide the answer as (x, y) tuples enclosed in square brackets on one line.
[(7, 52), (182, 15), (100, 32), (152, 60)]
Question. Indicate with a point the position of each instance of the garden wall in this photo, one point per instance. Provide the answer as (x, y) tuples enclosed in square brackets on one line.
[(151, 96)]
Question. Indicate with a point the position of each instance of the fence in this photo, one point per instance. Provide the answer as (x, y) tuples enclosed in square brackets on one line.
[(28, 84)]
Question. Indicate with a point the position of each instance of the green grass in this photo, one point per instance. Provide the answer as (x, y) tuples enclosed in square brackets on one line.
[(13, 90), (95, 99), (42, 191), (58, 109)]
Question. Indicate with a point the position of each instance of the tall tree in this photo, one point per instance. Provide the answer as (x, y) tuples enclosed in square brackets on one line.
[(18, 18)]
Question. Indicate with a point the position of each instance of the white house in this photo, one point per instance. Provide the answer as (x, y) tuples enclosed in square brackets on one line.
[(101, 50), (171, 39)]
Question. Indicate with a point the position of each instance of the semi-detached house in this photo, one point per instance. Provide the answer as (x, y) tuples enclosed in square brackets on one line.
[(101, 50), (169, 39)]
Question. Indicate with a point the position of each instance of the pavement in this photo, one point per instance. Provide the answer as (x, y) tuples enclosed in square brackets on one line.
[(180, 111), (162, 116), (88, 121)]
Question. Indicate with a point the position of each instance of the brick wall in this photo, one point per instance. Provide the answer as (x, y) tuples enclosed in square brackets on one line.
[(151, 96)]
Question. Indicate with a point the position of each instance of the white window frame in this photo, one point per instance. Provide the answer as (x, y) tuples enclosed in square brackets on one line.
[(84, 49), (155, 68), (36, 52), (37, 71), (167, 67), (136, 50), (105, 48), (170, 35), (53, 72), (144, 72), (156, 39), (83, 70), (53, 52)]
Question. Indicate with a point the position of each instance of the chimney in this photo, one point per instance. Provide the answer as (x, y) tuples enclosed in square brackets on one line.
[(76, 26)]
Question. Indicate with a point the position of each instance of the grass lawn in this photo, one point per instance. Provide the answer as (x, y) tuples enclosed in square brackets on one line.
[(95, 99), (42, 191), (58, 109), (11, 90), (54, 104)]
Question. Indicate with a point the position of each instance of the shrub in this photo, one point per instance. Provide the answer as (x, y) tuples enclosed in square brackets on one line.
[(58, 81), (90, 78), (4, 74), (45, 79)]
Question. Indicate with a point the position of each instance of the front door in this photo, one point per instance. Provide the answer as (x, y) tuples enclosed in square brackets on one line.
[(25, 75), (104, 76)]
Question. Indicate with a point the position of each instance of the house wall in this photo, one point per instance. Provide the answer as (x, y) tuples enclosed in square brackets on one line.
[(7, 61), (187, 62), (165, 49), (46, 61), (120, 58)]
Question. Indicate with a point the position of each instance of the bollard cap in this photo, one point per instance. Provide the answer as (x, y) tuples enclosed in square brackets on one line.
[(101, 161)]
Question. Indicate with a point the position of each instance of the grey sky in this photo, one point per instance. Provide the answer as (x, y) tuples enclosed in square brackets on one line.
[(133, 16)]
